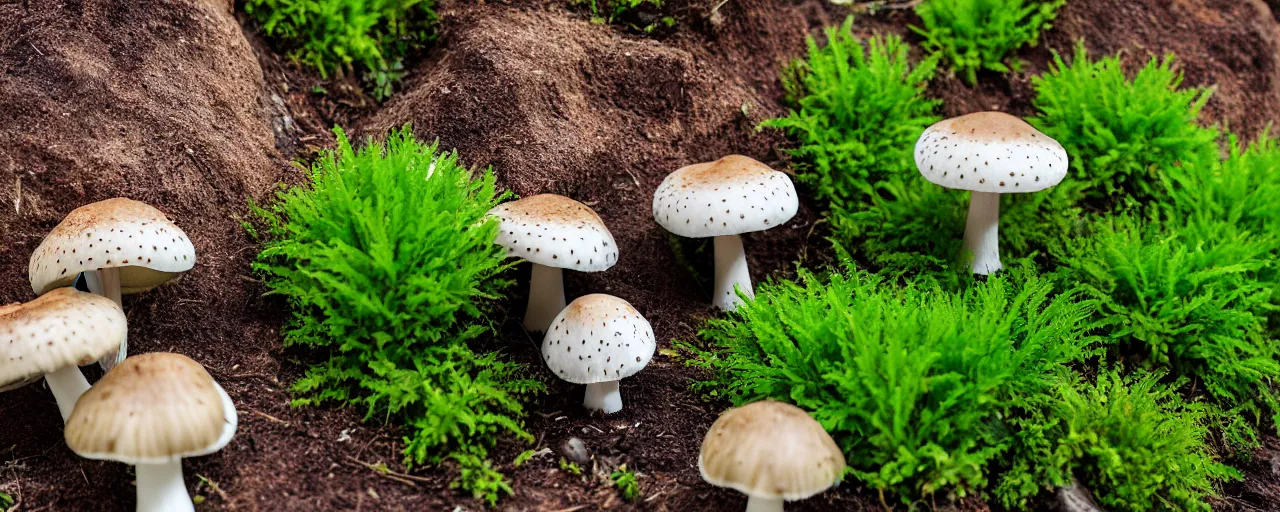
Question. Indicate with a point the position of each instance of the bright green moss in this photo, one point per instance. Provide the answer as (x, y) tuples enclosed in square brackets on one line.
[(975, 35), (388, 264), (915, 384)]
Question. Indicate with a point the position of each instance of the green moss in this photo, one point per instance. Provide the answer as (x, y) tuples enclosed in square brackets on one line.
[(387, 261), (916, 385), (349, 36), (1131, 440), (975, 35)]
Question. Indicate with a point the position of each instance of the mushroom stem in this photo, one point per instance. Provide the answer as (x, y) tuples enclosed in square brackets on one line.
[(731, 269), (161, 488), (982, 232), (106, 282), (67, 385), (546, 297), (603, 397), (758, 504)]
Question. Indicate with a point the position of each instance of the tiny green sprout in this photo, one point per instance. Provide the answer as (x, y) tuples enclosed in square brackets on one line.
[(319, 89), (570, 467), (197, 500), (6, 502), (523, 458), (625, 480)]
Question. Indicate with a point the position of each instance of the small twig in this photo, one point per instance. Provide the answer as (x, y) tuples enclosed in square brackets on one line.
[(33, 47), (571, 509), (385, 471), (17, 195), (270, 417)]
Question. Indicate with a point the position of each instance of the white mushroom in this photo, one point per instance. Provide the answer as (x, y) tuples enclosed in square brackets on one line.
[(598, 341), (152, 411), (121, 246), (553, 232), (724, 199), (770, 451), (988, 153), (55, 334)]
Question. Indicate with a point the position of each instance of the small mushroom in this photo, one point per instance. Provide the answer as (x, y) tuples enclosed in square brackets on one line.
[(152, 411), (770, 451), (724, 199), (52, 336), (988, 153), (121, 246), (553, 232), (598, 340)]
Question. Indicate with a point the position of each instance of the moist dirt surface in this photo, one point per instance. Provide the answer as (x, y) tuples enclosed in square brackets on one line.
[(184, 105)]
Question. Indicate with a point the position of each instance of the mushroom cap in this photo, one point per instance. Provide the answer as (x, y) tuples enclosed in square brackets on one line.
[(151, 409), (65, 327), (730, 196), (770, 450), (116, 233), (990, 152), (598, 338), (555, 231)]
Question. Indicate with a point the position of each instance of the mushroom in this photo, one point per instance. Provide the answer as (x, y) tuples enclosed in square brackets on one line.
[(121, 246), (724, 199), (52, 336), (553, 232), (988, 153), (598, 341), (151, 411), (770, 451)]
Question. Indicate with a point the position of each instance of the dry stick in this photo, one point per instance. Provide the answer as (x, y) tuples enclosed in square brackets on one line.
[(270, 417), (392, 474), (571, 509)]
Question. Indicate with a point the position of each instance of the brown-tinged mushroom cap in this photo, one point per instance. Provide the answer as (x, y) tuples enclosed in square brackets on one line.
[(152, 409), (990, 152), (730, 196), (555, 231), (62, 328), (116, 233), (771, 450), (598, 338)]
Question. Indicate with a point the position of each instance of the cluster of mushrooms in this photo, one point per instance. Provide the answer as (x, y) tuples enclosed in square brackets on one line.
[(150, 410), (770, 451), (599, 339), (155, 409)]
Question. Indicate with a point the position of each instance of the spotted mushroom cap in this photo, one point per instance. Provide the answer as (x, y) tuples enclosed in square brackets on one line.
[(598, 338), (770, 450), (61, 328), (116, 233), (151, 409), (990, 152), (555, 231), (730, 196)]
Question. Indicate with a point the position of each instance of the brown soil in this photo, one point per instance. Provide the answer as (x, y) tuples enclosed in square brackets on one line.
[(172, 103)]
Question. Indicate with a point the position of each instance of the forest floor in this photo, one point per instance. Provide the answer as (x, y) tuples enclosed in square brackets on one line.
[(183, 104)]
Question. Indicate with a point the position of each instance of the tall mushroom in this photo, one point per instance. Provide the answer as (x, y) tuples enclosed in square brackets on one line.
[(598, 341), (152, 411), (121, 246), (771, 452), (55, 334), (553, 232), (988, 153), (724, 199)]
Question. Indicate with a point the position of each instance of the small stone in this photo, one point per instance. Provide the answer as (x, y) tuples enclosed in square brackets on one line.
[(575, 450)]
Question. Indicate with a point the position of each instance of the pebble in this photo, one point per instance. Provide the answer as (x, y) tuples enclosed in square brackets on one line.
[(575, 450)]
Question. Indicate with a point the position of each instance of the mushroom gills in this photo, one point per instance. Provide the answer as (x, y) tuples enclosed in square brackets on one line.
[(604, 397), (106, 282), (546, 297), (731, 271), (982, 232)]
